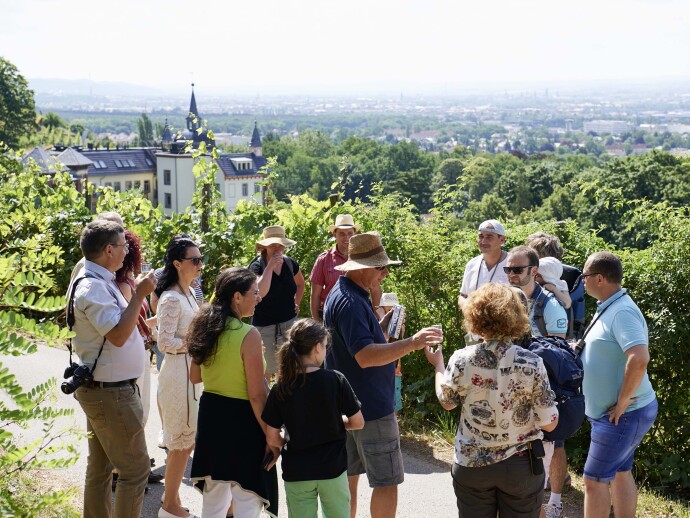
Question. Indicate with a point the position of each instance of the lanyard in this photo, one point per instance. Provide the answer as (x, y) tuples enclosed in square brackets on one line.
[(479, 270), (579, 347)]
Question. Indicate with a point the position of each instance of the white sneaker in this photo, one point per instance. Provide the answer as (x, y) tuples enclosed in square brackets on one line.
[(553, 510)]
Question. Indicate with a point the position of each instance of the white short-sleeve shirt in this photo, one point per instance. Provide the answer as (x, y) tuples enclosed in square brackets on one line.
[(477, 274)]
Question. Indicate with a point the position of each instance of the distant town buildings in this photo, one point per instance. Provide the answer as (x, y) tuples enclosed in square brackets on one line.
[(606, 126), (163, 174)]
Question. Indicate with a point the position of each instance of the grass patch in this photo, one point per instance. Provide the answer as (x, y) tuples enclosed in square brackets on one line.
[(30, 495)]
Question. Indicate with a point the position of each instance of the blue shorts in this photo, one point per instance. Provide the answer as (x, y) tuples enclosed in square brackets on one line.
[(612, 447)]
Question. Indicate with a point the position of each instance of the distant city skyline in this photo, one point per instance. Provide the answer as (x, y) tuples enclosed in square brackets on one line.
[(268, 47)]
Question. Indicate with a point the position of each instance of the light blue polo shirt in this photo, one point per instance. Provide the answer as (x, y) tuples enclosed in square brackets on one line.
[(555, 317), (619, 328)]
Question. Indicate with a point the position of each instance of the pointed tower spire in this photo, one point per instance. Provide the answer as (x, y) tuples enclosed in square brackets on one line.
[(192, 124), (255, 146)]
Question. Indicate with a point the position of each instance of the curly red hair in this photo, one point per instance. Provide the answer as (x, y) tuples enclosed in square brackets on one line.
[(132, 262)]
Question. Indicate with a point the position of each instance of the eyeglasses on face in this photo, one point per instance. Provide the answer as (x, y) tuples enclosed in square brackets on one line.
[(380, 268), (125, 246), (196, 261), (517, 269), (585, 275)]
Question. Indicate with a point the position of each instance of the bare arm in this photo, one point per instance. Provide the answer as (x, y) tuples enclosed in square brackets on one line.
[(315, 301), (273, 437), (436, 359), (562, 296), (119, 334), (375, 355), (354, 422), (252, 357), (462, 299), (376, 292), (299, 281), (635, 367), (549, 427), (195, 372), (153, 302), (264, 281)]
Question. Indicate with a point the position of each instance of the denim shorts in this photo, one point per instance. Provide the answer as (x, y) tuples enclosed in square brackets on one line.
[(612, 447), (375, 450)]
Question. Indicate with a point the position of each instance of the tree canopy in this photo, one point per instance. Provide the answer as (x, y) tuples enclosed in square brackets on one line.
[(17, 107)]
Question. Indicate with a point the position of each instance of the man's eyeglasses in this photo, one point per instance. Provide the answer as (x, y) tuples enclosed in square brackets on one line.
[(196, 261), (380, 268), (585, 275), (124, 245), (517, 269)]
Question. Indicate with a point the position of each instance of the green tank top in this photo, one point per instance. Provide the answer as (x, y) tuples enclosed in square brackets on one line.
[(225, 375)]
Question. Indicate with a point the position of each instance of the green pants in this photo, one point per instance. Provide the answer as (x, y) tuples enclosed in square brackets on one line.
[(334, 494)]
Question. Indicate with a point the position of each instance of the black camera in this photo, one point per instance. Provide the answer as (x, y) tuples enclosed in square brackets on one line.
[(75, 375)]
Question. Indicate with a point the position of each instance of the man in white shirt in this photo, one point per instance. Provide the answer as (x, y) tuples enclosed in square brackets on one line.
[(488, 266), (108, 343)]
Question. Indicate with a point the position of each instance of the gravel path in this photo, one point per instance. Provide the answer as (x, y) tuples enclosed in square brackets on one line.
[(427, 490)]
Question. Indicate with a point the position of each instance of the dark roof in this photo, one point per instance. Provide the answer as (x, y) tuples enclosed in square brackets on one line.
[(192, 104), (121, 161), (73, 158), (256, 138), (43, 159), (228, 167), (167, 133)]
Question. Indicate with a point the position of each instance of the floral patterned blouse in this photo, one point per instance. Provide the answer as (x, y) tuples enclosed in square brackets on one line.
[(503, 392)]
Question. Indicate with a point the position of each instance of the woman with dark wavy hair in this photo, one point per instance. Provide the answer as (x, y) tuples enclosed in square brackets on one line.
[(231, 437), (177, 398)]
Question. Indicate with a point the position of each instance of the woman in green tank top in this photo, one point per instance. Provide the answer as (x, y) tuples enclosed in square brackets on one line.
[(231, 444)]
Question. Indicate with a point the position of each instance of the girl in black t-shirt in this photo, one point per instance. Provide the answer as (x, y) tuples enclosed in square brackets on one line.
[(316, 406)]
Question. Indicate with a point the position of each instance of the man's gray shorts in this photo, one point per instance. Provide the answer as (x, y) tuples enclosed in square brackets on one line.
[(375, 450)]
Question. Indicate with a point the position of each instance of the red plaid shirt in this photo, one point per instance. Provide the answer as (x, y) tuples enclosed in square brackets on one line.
[(324, 273)]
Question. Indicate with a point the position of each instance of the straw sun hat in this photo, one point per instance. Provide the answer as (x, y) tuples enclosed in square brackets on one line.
[(365, 251), (344, 221), (272, 235)]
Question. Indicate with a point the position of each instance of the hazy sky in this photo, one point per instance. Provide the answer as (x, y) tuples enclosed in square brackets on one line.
[(315, 45)]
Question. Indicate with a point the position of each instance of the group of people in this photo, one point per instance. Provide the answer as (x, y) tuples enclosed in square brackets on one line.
[(330, 415)]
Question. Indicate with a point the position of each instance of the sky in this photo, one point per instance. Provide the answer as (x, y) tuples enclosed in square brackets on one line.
[(318, 46)]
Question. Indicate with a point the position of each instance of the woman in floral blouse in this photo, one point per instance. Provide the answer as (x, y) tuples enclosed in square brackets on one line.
[(505, 402)]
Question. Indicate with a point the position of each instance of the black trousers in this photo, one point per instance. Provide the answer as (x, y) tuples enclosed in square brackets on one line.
[(507, 488)]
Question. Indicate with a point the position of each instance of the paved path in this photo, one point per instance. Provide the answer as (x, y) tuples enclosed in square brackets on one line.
[(427, 490)]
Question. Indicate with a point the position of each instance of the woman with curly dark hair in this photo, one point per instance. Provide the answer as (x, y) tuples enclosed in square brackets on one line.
[(505, 402), (177, 397), (231, 437)]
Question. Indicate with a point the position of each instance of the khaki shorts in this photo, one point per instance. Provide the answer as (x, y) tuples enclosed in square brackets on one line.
[(375, 450), (273, 337)]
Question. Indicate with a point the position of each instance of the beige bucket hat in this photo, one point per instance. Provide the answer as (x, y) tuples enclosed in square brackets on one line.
[(389, 299), (272, 235), (344, 221), (365, 251)]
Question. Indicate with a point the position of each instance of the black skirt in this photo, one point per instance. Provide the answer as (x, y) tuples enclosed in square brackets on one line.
[(230, 447)]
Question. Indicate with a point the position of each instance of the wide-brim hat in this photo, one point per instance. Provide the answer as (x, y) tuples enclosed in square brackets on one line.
[(272, 235), (365, 251), (344, 221)]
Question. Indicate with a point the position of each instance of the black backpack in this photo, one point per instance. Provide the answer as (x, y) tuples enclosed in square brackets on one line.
[(564, 368)]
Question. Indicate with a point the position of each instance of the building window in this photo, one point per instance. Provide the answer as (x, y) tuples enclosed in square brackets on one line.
[(118, 163), (117, 186), (166, 177), (137, 185), (168, 200), (147, 186), (108, 184), (257, 188), (245, 189), (128, 185)]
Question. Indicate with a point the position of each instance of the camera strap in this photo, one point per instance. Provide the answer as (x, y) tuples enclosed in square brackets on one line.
[(69, 313), (581, 342)]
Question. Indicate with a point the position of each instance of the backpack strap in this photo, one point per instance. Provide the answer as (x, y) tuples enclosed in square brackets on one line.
[(539, 313)]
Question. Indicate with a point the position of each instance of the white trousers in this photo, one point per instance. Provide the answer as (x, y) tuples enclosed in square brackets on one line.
[(548, 450), (217, 498)]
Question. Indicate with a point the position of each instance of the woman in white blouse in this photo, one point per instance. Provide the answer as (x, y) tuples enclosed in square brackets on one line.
[(177, 395)]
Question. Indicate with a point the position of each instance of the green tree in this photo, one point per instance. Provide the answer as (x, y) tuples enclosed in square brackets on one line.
[(52, 121), (145, 130), (17, 108)]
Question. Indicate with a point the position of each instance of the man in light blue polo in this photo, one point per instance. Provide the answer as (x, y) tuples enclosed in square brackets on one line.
[(619, 399)]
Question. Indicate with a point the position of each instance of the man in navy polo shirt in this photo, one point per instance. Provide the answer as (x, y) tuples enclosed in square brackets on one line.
[(361, 352)]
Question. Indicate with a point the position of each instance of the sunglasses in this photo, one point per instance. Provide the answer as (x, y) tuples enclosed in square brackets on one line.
[(585, 275), (380, 268), (196, 261), (516, 269)]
